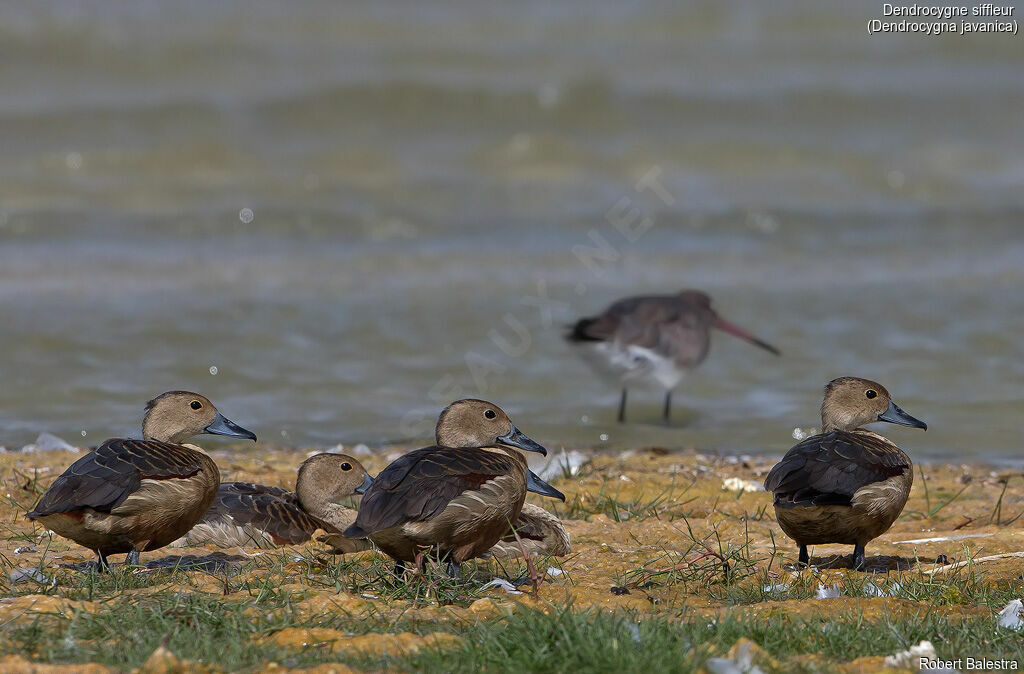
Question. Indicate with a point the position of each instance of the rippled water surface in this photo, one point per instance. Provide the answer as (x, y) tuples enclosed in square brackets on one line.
[(350, 214)]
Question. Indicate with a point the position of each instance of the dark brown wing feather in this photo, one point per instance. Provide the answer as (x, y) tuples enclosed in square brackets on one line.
[(270, 509), (603, 327), (667, 324), (828, 469), (528, 528), (419, 485), (103, 478)]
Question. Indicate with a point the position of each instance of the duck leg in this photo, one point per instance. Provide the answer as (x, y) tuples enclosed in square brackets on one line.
[(666, 412), (805, 559), (399, 569), (102, 565), (454, 569), (858, 556), (451, 567), (622, 406)]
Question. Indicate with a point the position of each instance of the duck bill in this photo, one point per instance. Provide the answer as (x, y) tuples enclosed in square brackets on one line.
[(517, 439), (224, 426), (539, 486), (894, 415), (367, 481), (737, 331)]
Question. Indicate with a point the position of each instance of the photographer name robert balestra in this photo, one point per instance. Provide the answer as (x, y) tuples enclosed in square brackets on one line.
[(968, 664)]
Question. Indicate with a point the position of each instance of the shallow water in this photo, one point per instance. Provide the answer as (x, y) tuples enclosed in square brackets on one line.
[(411, 175)]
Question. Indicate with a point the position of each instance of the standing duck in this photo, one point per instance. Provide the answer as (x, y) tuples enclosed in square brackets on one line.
[(139, 495), (653, 340), (460, 496), (246, 514), (845, 485)]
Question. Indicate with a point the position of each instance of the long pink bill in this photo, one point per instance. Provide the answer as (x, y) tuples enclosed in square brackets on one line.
[(736, 331)]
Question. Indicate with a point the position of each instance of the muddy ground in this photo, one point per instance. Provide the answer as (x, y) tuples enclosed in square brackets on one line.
[(684, 537)]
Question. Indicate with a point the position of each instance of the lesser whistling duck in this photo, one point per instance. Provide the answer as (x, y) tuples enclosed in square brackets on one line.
[(458, 497), (247, 514), (846, 484), (139, 495)]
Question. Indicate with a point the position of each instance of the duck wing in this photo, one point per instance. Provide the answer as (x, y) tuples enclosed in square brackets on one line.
[(106, 476), (533, 523), (249, 489), (632, 320), (420, 484), (829, 468), (271, 509), (664, 324)]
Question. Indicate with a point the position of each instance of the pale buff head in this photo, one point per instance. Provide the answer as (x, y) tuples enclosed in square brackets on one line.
[(329, 478), (852, 402), (176, 416), (478, 423)]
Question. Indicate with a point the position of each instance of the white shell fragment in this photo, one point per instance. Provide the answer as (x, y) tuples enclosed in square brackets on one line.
[(739, 484), (1010, 616), (910, 658), (503, 584)]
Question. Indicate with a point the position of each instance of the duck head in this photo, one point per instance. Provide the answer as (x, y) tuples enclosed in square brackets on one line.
[(478, 423), (328, 478), (851, 402), (176, 416)]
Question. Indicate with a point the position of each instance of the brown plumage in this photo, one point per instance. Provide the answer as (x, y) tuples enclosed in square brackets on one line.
[(537, 532), (246, 514), (459, 498), (653, 340), (541, 532), (844, 485), (139, 495)]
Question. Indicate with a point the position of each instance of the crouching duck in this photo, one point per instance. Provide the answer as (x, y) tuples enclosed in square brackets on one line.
[(845, 485), (246, 514), (535, 532), (459, 496), (139, 495)]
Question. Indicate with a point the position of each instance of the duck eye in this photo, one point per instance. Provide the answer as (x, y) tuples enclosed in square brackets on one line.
[(196, 405), (490, 414), (870, 394), (346, 466)]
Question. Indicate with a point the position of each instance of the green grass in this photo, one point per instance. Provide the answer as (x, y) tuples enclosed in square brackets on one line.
[(130, 622), (705, 562), (663, 505), (599, 642), (932, 510), (201, 627), (193, 626), (319, 571), (128, 626), (965, 586)]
